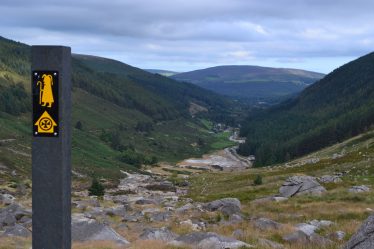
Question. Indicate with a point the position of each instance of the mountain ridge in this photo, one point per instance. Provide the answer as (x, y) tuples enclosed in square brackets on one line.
[(253, 82)]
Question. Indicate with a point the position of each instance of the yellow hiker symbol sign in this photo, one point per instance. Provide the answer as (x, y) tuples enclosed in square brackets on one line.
[(46, 94), (45, 123)]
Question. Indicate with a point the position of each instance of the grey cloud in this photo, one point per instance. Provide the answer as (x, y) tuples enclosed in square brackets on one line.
[(192, 33)]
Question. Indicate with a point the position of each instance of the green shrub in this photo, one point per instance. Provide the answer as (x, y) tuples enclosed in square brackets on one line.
[(96, 188), (258, 180)]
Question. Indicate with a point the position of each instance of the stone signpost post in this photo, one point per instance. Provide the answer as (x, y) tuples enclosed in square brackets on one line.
[(51, 147)]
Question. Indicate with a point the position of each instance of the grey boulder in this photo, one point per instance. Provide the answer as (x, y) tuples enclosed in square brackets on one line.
[(7, 219), (217, 204), (228, 206), (301, 238), (270, 244), (330, 179), (359, 189), (185, 208), (163, 234), (16, 231), (266, 224), (6, 199), (209, 240), (338, 235), (364, 237), (85, 229), (299, 185)]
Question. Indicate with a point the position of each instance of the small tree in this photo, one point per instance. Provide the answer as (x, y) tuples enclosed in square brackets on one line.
[(96, 188), (257, 180)]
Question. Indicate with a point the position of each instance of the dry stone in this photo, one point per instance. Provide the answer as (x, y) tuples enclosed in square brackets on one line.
[(299, 185), (364, 237)]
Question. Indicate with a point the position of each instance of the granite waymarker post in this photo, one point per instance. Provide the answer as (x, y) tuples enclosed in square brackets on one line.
[(51, 147)]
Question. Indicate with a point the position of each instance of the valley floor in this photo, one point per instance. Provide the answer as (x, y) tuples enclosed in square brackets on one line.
[(317, 201)]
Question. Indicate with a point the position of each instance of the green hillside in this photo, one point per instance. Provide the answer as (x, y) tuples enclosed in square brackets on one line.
[(122, 116), (251, 82), (335, 108)]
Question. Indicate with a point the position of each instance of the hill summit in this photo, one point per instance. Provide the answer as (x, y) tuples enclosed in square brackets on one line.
[(251, 82)]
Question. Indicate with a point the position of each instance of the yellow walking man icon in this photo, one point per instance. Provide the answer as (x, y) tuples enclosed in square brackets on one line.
[(46, 94)]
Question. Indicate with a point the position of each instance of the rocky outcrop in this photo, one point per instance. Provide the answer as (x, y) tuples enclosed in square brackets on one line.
[(364, 237), (203, 240), (300, 185), (85, 229)]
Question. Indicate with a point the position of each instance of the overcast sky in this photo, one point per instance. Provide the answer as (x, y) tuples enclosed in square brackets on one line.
[(183, 35)]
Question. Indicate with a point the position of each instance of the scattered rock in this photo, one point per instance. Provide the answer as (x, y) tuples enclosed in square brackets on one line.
[(296, 237), (7, 219), (6, 199), (162, 186), (203, 240), (300, 237), (321, 223), (217, 204), (266, 224), (330, 179), (116, 211), (16, 231), (26, 221), (359, 189), (134, 182), (268, 199), (364, 237), (299, 185), (132, 217), (185, 208), (230, 210), (306, 228), (85, 229), (238, 233), (196, 226), (159, 216), (270, 244), (228, 206), (279, 198), (234, 219), (146, 202), (11, 213), (163, 234), (338, 235)]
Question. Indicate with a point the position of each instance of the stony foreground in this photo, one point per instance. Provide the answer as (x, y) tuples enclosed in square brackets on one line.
[(151, 208)]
